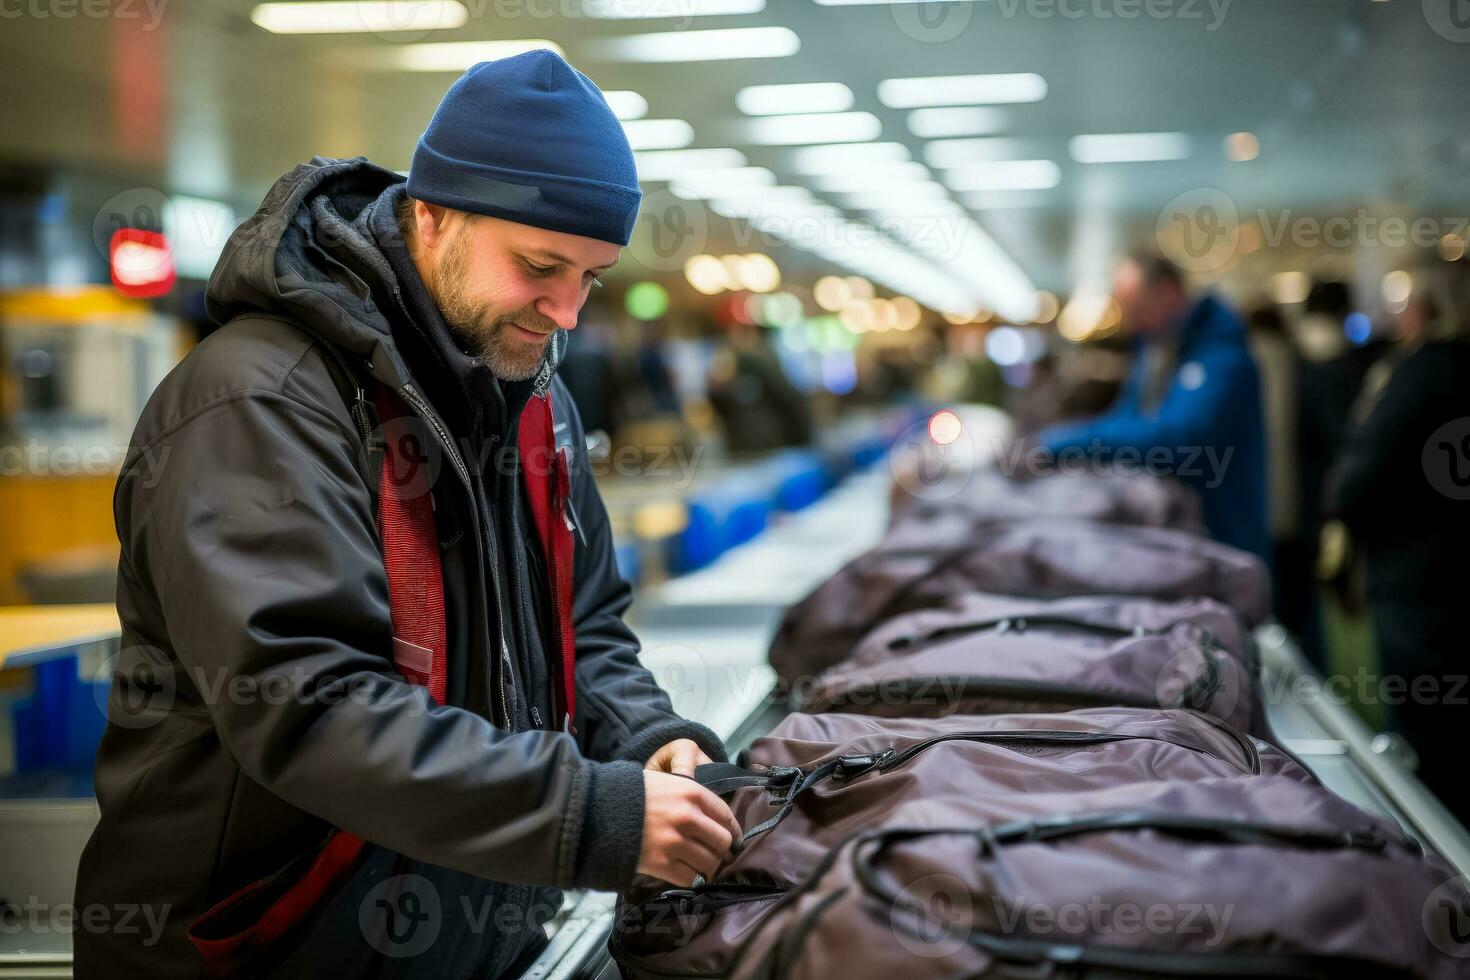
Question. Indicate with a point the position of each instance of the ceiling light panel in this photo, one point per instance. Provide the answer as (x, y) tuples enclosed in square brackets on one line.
[(778, 100), (714, 45), (944, 90)]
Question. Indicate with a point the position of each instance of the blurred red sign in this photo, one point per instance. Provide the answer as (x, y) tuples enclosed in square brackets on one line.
[(142, 263)]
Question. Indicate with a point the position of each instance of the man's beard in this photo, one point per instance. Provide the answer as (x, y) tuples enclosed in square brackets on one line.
[(508, 359)]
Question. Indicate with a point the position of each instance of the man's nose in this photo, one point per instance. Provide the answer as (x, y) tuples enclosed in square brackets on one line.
[(561, 304)]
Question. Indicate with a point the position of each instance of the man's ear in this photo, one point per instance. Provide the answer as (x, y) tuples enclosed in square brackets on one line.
[(430, 223)]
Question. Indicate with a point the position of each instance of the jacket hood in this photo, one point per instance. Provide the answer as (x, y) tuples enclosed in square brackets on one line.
[(314, 253), (305, 255)]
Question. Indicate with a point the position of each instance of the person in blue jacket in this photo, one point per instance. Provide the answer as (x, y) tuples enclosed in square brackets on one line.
[(1190, 408)]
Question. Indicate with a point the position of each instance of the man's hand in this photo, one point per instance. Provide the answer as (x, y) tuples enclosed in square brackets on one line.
[(687, 830), (679, 756)]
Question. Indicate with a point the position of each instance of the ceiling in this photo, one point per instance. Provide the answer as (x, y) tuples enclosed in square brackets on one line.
[(1358, 104)]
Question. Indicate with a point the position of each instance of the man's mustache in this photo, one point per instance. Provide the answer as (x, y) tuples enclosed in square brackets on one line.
[(545, 326)]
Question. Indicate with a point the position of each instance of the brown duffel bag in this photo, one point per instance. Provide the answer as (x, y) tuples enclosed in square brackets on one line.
[(1113, 496), (986, 654), (1102, 843), (920, 564)]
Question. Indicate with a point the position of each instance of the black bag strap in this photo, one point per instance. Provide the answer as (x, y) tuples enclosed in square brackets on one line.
[(726, 777)]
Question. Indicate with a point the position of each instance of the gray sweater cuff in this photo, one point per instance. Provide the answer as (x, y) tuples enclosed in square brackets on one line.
[(612, 826), (649, 740)]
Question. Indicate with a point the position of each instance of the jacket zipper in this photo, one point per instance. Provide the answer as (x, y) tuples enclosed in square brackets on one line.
[(421, 407)]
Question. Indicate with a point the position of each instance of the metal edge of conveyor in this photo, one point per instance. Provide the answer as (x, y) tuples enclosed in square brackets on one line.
[(1433, 824)]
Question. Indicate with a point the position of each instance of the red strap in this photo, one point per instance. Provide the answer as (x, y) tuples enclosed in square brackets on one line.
[(416, 599), (548, 484), (411, 550)]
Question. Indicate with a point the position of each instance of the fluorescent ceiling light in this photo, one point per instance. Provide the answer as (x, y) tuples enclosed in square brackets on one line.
[(842, 159), (1129, 147), (453, 56), (871, 177), (725, 182), (780, 100), (658, 134), (717, 45), (923, 193), (1005, 175), (956, 121), (1004, 200), (957, 153), (956, 244), (636, 9), (822, 127), (366, 16), (673, 164), (627, 105), (784, 203), (912, 93)]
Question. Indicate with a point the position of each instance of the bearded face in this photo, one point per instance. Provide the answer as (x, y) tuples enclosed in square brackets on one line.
[(504, 288)]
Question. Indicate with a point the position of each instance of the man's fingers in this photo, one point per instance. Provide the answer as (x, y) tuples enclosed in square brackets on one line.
[(698, 856), (719, 812), (710, 834), (686, 757)]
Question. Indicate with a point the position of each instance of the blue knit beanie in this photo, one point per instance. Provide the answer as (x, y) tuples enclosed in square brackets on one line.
[(530, 139)]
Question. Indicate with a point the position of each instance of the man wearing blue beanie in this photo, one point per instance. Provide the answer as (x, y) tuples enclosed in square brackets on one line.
[(365, 761)]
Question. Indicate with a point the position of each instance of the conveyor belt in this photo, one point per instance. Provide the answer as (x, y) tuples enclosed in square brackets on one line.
[(705, 636)]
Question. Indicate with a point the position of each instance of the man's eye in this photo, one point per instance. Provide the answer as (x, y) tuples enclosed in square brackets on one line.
[(540, 270)]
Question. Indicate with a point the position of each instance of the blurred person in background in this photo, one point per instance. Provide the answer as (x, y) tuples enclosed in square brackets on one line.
[(1328, 375), (758, 406), (252, 582), (1402, 486), (1191, 406), (1294, 596)]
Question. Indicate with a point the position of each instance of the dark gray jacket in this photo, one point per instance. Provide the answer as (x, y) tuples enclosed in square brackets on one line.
[(255, 704)]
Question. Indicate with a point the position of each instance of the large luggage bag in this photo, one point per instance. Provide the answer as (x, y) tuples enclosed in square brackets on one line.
[(987, 654), (920, 564), (1102, 843), (1112, 496)]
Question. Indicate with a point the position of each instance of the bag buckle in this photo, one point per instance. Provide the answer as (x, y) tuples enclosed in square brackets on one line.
[(853, 766), (780, 781)]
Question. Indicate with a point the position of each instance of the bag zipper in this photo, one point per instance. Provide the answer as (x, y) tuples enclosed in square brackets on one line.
[(1019, 624)]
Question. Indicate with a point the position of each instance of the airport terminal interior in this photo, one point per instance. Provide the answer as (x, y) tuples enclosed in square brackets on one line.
[(1086, 368)]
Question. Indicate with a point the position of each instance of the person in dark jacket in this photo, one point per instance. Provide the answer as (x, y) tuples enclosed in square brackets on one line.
[(256, 704), (1401, 484), (1191, 406)]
